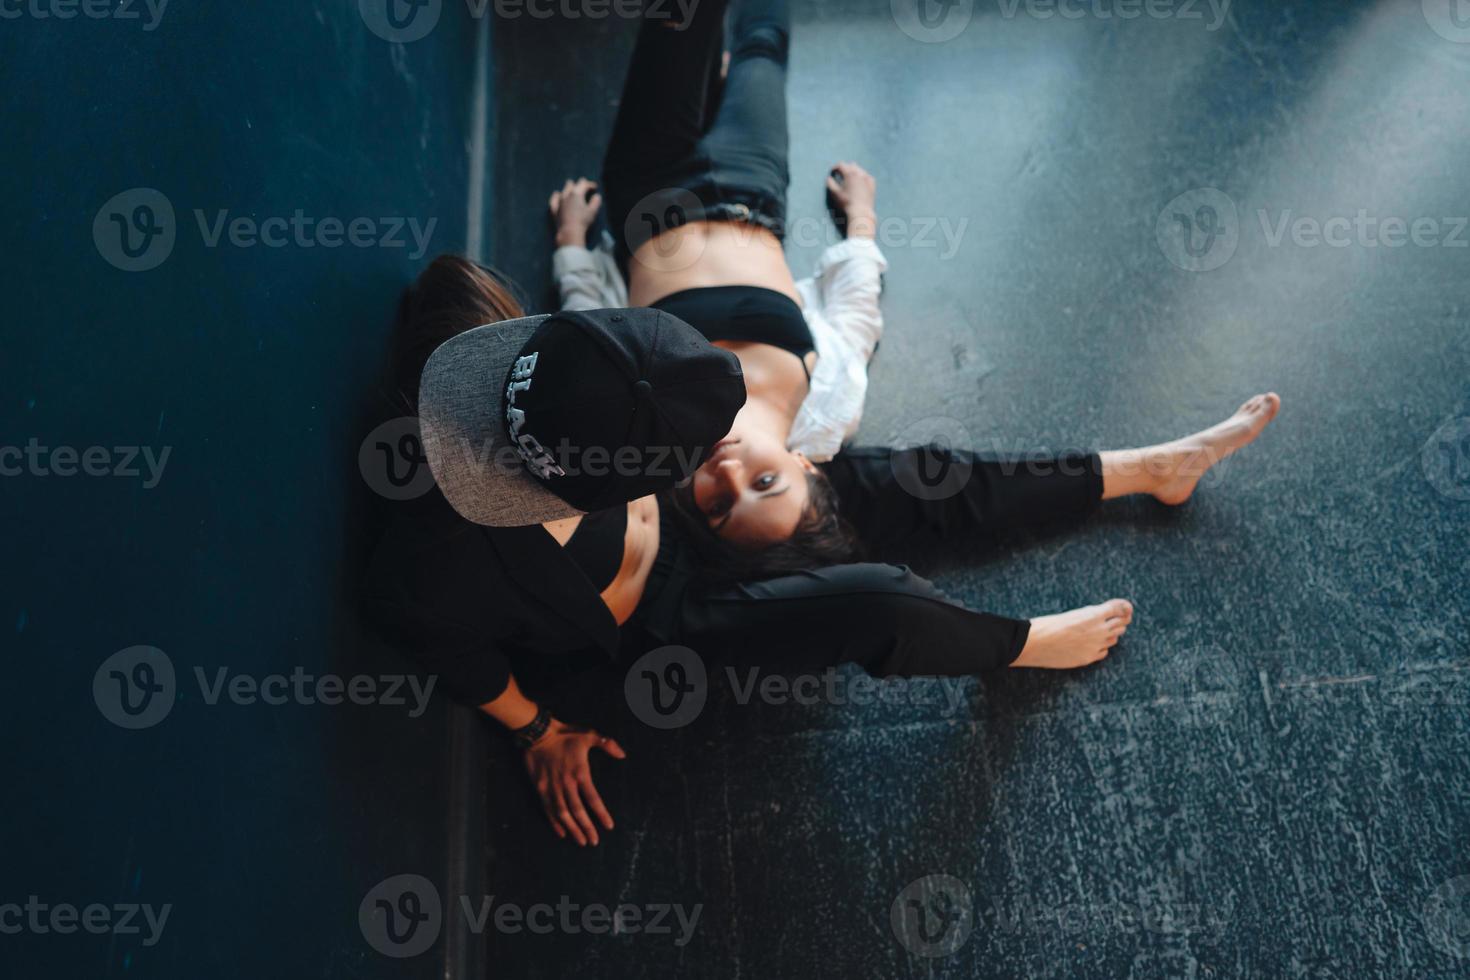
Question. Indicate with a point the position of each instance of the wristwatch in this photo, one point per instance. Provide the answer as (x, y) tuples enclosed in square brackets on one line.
[(529, 735)]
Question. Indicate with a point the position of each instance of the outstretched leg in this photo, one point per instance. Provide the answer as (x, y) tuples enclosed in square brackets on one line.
[(897, 499), (1170, 471), (748, 140), (665, 105), (1077, 637)]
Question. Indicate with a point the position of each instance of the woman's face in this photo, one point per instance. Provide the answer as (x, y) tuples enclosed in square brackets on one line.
[(752, 489)]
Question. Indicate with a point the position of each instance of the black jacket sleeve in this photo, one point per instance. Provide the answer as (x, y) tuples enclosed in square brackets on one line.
[(466, 661), (424, 590)]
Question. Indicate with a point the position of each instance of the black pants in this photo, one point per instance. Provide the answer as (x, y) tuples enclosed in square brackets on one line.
[(883, 617), (687, 146)]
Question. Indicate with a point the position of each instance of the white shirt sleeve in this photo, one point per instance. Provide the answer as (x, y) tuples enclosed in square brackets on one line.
[(849, 277), (840, 302), (588, 279)]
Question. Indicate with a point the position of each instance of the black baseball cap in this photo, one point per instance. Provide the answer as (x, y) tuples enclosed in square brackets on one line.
[(550, 416)]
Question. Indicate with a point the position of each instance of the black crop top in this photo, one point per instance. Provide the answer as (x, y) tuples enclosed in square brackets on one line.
[(750, 313), (597, 545)]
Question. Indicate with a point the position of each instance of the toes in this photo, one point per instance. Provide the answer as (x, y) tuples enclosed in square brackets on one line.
[(1118, 609), (1265, 404)]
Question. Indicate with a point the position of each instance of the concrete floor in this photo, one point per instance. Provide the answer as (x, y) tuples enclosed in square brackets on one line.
[(1269, 777)]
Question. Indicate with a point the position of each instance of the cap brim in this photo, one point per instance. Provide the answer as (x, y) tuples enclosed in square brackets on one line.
[(462, 424)]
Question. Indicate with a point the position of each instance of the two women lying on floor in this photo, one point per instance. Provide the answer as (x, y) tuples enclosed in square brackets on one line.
[(756, 541)]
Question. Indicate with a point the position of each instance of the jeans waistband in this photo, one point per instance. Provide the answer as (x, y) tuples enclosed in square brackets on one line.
[(744, 214)]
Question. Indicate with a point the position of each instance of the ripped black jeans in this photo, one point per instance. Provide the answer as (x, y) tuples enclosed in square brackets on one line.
[(688, 145)]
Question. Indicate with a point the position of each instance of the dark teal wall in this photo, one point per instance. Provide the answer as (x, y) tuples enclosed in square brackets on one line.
[(255, 368)]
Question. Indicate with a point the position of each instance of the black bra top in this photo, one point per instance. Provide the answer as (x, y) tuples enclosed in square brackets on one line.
[(597, 545), (749, 313)]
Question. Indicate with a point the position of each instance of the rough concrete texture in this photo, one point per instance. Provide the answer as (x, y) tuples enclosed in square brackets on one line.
[(1269, 776)]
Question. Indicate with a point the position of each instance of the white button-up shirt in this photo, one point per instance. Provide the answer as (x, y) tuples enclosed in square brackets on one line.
[(839, 301)]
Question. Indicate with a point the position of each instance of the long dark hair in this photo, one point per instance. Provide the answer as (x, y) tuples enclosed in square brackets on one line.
[(452, 295), (822, 537)]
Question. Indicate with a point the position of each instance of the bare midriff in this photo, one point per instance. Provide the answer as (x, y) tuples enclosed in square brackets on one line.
[(708, 253), (640, 548)]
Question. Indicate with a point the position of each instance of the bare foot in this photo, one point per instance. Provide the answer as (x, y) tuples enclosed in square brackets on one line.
[(1075, 638), (1179, 465)]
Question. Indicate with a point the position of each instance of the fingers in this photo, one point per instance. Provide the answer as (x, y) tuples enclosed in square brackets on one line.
[(579, 788), (832, 185), (549, 806), (594, 801), (564, 785), (571, 792), (574, 196), (566, 815), (611, 747)]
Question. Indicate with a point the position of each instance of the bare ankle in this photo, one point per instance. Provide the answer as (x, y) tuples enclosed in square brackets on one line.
[(1135, 471)]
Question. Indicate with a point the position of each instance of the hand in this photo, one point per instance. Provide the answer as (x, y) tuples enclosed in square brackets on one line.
[(855, 191), (573, 211), (560, 767)]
